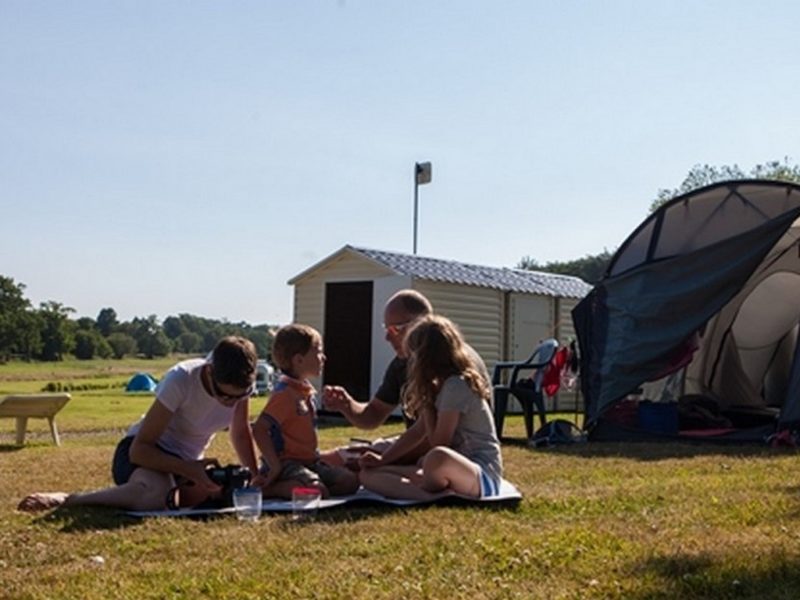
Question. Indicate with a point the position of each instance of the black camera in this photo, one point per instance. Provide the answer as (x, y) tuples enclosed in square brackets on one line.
[(229, 478), (188, 495)]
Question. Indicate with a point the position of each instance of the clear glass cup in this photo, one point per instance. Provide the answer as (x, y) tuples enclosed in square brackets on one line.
[(305, 503), (247, 502)]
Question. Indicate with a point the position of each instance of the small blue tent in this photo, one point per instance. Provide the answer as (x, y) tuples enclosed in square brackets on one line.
[(141, 382), (702, 298)]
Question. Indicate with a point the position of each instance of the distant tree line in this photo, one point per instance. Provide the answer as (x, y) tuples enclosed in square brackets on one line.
[(591, 267), (49, 332), (703, 175)]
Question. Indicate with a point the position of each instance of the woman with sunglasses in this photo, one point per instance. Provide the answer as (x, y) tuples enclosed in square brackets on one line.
[(196, 399)]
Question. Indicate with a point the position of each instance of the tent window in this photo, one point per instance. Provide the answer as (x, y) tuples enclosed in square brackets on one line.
[(769, 312), (635, 251), (705, 221)]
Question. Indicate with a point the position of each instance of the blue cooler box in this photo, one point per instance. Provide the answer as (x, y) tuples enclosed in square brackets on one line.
[(658, 417)]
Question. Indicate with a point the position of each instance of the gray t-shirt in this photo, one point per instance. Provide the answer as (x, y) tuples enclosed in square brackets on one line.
[(475, 435), (396, 376)]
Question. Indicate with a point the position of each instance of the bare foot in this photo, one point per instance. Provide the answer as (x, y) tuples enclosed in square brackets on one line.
[(42, 501)]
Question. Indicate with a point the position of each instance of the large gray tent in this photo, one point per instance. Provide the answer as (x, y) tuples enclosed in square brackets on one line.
[(704, 299)]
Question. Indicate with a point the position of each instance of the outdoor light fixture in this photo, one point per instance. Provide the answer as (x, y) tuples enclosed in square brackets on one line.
[(422, 175)]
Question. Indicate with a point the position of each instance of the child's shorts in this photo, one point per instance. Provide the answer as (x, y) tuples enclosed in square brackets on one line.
[(489, 485), (311, 475)]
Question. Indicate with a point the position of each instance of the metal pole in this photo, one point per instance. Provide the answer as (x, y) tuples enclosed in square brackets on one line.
[(416, 203)]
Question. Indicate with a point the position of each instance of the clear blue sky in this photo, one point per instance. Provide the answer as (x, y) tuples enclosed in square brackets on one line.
[(161, 157)]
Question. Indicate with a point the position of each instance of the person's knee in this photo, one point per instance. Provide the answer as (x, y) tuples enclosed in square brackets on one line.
[(436, 458), (365, 477), (149, 493), (332, 458), (154, 496), (348, 483)]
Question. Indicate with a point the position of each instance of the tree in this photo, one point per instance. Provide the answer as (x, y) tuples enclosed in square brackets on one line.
[(590, 268), (86, 323), (174, 327), (703, 175), (157, 344), (188, 343), (150, 337), (107, 321), (121, 344), (29, 339), (15, 318), (261, 338), (89, 343), (57, 330)]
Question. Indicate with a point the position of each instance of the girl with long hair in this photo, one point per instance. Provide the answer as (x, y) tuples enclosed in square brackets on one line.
[(450, 400)]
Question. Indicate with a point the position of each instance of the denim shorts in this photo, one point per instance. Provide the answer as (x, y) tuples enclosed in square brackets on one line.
[(121, 467)]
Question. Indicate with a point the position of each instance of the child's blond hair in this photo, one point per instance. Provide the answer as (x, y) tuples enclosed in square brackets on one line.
[(292, 340)]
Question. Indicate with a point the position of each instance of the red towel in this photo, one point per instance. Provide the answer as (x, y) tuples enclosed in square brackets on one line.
[(551, 380)]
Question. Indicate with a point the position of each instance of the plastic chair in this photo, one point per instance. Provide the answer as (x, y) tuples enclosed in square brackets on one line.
[(528, 395)]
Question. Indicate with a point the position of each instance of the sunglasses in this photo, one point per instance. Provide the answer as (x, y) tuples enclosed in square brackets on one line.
[(397, 328), (222, 396)]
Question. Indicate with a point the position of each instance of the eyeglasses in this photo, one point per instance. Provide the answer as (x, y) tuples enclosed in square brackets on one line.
[(396, 328), (223, 397)]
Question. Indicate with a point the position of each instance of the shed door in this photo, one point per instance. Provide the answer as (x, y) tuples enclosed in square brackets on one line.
[(348, 336), (532, 322)]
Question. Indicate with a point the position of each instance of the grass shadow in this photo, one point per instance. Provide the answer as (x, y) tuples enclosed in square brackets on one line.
[(703, 576), (793, 491), (79, 519), (10, 448), (654, 451)]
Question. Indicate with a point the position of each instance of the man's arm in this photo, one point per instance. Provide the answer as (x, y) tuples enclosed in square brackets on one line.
[(263, 439), (364, 416), (242, 436), (145, 452), (408, 442)]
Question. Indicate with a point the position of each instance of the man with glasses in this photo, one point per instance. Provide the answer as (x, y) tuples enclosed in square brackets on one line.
[(401, 310), (196, 399)]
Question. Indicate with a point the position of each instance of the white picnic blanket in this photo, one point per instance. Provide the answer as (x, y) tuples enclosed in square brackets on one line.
[(508, 493)]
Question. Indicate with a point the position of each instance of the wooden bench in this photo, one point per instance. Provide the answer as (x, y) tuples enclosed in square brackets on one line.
[(25, 406)]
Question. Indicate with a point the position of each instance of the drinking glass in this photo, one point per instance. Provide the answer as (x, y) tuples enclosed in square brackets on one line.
[(247, 502), (305, 502)]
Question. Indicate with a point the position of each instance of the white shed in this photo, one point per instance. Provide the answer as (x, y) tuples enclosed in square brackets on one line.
[(503, 313)]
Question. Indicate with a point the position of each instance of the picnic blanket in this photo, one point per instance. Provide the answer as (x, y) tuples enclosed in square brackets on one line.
[(508, 495)]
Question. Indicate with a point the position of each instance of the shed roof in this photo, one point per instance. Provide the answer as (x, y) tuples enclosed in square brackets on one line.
[(450, 271)]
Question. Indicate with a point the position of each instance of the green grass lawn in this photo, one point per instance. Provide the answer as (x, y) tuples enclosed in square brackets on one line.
[(597, 521)]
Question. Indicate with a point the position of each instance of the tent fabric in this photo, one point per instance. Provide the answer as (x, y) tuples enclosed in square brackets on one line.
[(141, 382), (687, 272), (791, 412)]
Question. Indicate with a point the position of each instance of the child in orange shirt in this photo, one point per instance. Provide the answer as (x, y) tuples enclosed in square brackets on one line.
[(286, 432)]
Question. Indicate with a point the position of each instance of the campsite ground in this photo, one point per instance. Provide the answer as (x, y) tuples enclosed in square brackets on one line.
[(596, 521)]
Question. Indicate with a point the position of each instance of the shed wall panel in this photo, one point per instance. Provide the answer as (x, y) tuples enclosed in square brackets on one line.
[(566, 330), (478, 312), (309, 304), (531, 320)]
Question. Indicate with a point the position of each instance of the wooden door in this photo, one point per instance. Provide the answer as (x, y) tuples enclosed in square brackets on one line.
[(348, 336)]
